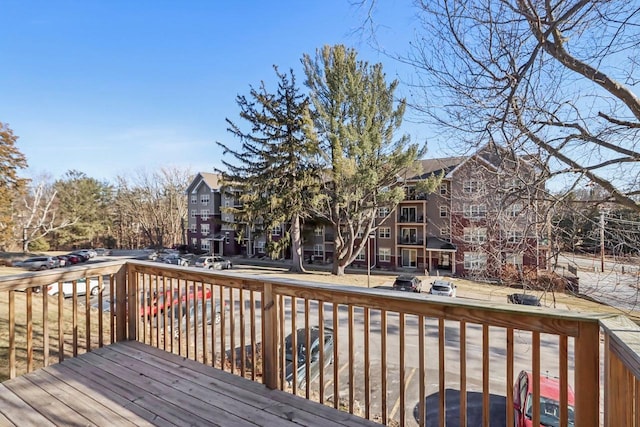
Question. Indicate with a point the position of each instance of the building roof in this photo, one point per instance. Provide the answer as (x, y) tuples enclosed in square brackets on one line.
[(211, 180)]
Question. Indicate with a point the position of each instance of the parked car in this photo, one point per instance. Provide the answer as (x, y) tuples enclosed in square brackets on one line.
[(157, 303), (81, 286), (176, 259), (213, 262), (524, 299), (549, 401), (63, 261), (40, 263), (102, 252), (74, 259), (301, 354), (83, 256), (443, 288), (196, 307), (407, 282)]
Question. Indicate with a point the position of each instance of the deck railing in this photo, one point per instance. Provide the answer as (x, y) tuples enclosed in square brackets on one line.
[(388, 356)]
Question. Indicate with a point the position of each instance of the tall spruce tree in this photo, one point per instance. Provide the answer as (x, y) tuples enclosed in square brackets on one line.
[(356, 118), (11, 160), (273, 172)]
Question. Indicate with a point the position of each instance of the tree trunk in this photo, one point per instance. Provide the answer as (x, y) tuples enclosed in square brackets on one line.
[(338, 264), (296, 246)]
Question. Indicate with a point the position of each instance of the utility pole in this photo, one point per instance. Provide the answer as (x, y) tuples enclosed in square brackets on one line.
[(602, 241)]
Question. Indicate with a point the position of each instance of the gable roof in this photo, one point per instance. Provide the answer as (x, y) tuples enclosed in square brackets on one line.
[(211, 180)]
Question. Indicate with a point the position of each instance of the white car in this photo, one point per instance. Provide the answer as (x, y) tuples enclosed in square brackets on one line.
[(81, 286), (443, 288), (213, 262)]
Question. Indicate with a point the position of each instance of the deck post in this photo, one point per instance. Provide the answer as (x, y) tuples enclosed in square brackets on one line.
[(587, 374), (121, 303), (270, 356)]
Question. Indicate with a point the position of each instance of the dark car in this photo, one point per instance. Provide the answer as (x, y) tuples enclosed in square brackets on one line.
[(73, 259), (212, 316), (40, 263), (407, 283), (300, 354), (83, 256), (524, 299)]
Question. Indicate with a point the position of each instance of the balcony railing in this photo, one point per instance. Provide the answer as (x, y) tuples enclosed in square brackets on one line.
[(394, 355), (415, 219), (410, 241)]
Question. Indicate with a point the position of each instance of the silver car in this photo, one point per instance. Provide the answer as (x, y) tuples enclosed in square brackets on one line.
[(443, 288), (40, 263)]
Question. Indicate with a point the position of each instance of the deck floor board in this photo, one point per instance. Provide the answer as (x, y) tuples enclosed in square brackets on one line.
[(130, 383)]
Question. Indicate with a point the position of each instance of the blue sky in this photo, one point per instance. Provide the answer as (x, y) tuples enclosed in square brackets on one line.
[(112, 87)]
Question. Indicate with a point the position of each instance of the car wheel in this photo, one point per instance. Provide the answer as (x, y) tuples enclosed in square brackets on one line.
[(218, 318), (95, 291), (42, 267)]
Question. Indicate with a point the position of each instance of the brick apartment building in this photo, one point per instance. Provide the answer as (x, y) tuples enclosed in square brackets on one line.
[(480, 218)]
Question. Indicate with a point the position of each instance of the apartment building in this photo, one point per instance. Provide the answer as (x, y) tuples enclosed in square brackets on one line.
[(479, 219), (209, 228)]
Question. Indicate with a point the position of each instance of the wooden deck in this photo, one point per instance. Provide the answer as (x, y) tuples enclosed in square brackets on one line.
[(130, 383)]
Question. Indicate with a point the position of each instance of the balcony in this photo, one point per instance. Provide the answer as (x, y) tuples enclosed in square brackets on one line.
[(410, 241), (411, 359), (411, 219)]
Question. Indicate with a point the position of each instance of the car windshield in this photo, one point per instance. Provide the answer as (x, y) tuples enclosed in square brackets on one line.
[(403, 282), (549, 412), (441, 287), (301, 341)]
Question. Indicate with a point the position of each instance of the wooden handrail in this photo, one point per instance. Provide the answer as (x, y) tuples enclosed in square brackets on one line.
[(579, 335)]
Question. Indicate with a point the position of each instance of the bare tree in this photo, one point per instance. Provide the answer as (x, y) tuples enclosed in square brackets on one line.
[(36, 214), (552, 79), (152, 207)]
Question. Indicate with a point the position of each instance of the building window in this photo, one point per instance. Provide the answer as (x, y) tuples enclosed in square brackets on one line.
[(475, 211), (194, 199), (514, 236), (514, 209), (204, 214), (205, 245), (318, 250), (194, 242), (193, 227), (475, 234), (475, 261), (443, 189), (384, 232), (318, 231), (384, 254), (471, 186), (383, 212), (204, 229), (227, 240), (514, 259), (359, 234), (410, 192), (259, 246), (204, 199), (226, 203), (194, 214), (360, 256), (275, 231), (445, 232), (444, 211)]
